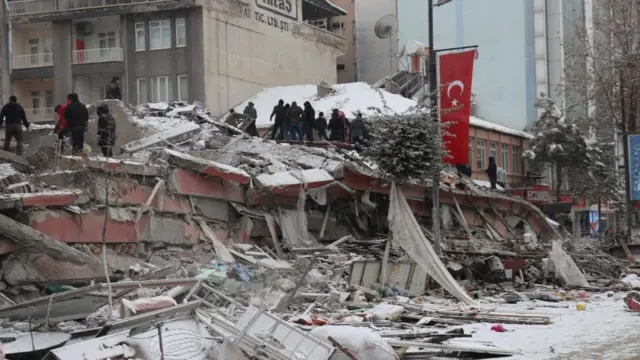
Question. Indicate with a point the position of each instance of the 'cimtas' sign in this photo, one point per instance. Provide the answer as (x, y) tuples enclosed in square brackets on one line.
[(286, 8)]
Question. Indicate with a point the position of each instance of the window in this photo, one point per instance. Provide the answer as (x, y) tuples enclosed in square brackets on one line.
[(340, 67), (48, 99), (471, 152), (143, 96), (337, 25), (107, 40), (493, 151), (517, 159), (159, 34), (160, 89), (181, 32), (481, 154), (504, 157), (183, 87), (140, 37), (35, 101), (34, 50), (319, 23)]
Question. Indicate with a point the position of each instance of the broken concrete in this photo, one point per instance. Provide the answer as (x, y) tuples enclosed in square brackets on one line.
[(181, 133), (45, 199)]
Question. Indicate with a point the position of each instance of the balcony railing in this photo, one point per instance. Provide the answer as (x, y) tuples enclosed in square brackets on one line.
[(24, 7), (40, 115), (89, 56), (32, 61)]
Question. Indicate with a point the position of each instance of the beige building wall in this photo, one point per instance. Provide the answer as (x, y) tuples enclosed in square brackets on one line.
[(248, 48), (347, 65), (481, 143)]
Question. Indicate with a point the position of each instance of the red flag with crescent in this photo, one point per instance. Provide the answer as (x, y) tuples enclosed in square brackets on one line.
[(455, 74)]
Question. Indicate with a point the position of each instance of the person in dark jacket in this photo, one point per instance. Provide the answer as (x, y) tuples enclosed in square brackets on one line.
[(492, 171), (336, 126), (106, 130), (14, 115), (251, 112), (113, 89), (77, 117), (307, 122), (294, 118), (321, 126), (358, 130), (279, 111)]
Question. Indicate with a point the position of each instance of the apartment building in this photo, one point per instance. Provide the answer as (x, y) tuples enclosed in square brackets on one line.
[(216, 52)]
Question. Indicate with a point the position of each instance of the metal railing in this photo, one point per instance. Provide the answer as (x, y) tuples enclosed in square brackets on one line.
[(89, 56), (24, 7), (40, 115), (32, 61)]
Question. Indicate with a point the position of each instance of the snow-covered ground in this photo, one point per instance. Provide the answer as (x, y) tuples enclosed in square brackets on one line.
[(605, 331)]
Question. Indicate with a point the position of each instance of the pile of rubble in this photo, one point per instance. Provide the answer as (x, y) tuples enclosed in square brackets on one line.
[(220, 243)]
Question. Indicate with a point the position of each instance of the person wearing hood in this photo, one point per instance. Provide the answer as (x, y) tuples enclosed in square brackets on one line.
[(295, 115), (279, 111), (321, 126), (358, 130), (251, 112), (307, 122), (492, 172), (337, 126), (13, 115), (113, 89), (106, 130), (77, 116)]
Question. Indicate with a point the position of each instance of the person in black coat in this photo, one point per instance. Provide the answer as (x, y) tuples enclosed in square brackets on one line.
[(113, 89), (106, 130), (77, 117), (492, 171), (336, 126), (14, 117), (321, 126), (308, 121), (279, 112)]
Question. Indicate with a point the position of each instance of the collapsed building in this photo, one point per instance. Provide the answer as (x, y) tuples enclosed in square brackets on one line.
[(194, 208)]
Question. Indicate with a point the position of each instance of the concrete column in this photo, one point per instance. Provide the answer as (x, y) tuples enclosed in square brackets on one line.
[(62, 77), (5, 61)]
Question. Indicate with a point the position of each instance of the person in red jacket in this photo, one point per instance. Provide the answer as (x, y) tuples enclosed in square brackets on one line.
[(62, 127)]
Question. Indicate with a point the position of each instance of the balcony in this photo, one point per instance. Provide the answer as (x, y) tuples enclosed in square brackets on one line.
[(32, 7), (32, 61), (92, 56), (40, 115)]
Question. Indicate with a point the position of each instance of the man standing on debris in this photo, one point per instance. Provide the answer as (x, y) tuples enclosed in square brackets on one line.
[(113, 89), (106, 130), (279, 111), (308, 120), (358, 130), (15, 117), (294, 116), (251, 112), (321, 126), (337, 127), (77, 116), (492, 171)]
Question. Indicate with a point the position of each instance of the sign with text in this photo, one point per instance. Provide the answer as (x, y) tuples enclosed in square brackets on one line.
[(633, 147), (286, 8)]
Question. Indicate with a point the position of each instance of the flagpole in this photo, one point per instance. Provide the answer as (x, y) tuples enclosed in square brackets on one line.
[(433, 96)]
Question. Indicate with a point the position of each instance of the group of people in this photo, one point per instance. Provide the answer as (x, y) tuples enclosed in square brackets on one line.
[(72, 122), (296, 123)]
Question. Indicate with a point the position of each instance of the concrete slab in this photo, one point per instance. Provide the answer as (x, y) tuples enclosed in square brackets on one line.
[(187, 182), (178, 134), (163, 202), (19, 162), (292, 182), (115, 165), (207, 167), (43, 199)]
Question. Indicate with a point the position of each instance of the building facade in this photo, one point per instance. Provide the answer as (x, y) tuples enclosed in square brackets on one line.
[(215, 52), (376, 58), (522, 51)]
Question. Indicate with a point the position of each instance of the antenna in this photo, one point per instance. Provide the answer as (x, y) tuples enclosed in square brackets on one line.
[(385, 28)]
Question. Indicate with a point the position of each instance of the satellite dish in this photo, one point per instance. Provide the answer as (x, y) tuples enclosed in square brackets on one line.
[(386, 27)]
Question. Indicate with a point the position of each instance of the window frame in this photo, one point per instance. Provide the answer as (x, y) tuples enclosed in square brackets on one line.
[(495, 150), (107, 36), (515, 156), (504, 156), (481, 160), (161, 26), (155, 89), (140, 31), (180, 90), (146, 90), (182, 26), (471, 152)]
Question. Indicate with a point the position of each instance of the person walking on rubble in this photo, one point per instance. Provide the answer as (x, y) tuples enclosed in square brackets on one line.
[(321, 126), (279, 111), (106, 130), (308, 120), (77, 116), (492, 172), (14, 115), (251, 112), (113, 89), (294, 116)]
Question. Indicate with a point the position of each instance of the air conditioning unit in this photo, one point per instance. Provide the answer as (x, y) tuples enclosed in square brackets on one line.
[(84, 28)]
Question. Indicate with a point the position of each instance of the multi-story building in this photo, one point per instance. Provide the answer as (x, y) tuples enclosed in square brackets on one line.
[(521, 55), (216, 52), (376, 58)]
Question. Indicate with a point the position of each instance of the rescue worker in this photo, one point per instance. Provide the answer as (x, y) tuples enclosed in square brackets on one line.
[(77, 117), (337, 127), (294, 116), (62, 127), (358, 130), (251, 112), (321, 126), (113, 89), (106, 130), (279, 112), (14, 115), (492, 172), (308, 121)]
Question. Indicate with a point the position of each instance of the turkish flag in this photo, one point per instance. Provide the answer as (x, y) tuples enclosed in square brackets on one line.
[(455, 72)]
